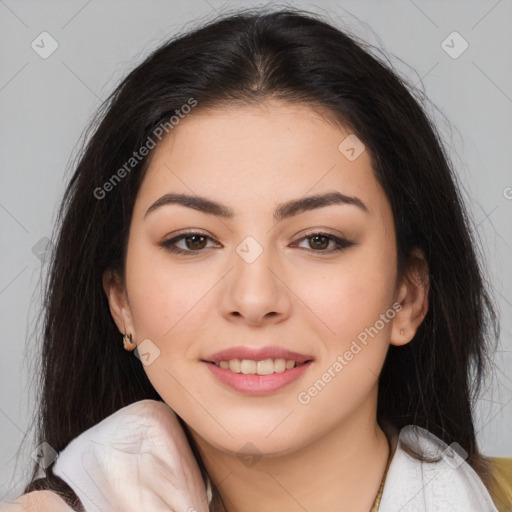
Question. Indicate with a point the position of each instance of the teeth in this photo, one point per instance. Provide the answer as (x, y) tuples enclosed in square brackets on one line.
[(264, 367), (248, 366), (234, 365), (280, 365)]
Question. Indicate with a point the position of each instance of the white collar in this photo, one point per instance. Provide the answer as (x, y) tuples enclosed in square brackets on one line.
[(448, 484)]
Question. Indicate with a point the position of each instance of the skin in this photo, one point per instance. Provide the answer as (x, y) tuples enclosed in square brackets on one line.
[(252, 158), (37, 501)]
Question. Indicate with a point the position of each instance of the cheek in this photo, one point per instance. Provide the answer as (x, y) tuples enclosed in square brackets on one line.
[(167, 308), (164, 297), (357, 307), (350, 295)]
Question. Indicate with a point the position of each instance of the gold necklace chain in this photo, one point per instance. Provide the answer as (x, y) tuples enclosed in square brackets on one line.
[(376, 502)]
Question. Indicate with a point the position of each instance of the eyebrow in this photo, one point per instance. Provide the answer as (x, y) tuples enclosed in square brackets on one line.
[(283, 211)]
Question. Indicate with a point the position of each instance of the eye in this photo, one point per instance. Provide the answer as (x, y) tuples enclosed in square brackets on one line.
[(321, 240), (194, 242)]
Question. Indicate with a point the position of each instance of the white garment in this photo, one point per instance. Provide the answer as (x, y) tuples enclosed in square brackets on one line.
[(448, 485), (106, 464), (136, 459)]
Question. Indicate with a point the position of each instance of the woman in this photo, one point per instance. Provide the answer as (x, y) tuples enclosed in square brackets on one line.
[(266, 213)]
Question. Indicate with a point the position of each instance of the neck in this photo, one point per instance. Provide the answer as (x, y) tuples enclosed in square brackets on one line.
[(341, 470)]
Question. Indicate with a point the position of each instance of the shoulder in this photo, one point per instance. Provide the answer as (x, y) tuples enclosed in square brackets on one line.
[(501, 487), (37, 501)]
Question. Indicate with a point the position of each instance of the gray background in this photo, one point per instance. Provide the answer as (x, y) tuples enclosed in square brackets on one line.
[(45, 105)]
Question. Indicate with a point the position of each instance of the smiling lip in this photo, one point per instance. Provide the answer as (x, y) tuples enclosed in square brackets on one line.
[(257, 384)]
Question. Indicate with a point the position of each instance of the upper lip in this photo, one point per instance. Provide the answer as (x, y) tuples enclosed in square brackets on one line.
[(270, 352)]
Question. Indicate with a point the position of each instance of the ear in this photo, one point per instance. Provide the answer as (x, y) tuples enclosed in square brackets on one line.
[(118, 302), (413, 297)]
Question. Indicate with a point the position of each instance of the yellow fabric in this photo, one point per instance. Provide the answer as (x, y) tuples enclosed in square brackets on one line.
[(501, 491)]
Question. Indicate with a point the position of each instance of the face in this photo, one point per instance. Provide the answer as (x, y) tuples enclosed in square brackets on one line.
[(313, 283)]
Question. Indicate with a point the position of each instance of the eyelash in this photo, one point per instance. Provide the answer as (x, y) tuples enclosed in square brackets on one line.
[(341, 243)]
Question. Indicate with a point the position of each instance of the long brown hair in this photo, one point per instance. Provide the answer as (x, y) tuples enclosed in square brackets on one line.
[(85, 375)]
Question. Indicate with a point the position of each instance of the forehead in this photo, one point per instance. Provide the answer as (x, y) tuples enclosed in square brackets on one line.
[(253, 155)]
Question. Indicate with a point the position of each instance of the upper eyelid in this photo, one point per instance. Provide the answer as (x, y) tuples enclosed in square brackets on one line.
[(180, 236)]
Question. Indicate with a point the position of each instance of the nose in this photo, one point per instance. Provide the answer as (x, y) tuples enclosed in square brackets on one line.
[(255, 291)]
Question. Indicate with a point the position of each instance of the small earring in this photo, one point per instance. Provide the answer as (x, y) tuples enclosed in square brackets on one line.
[(209, 493), (127, 342), (402, 332)]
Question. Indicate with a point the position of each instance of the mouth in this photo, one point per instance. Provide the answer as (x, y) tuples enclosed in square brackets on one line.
[(257, 371)]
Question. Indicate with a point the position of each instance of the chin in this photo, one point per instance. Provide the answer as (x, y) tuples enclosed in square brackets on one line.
[(253, 437)]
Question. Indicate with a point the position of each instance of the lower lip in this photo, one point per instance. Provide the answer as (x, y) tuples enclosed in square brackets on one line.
[(258, 384)]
